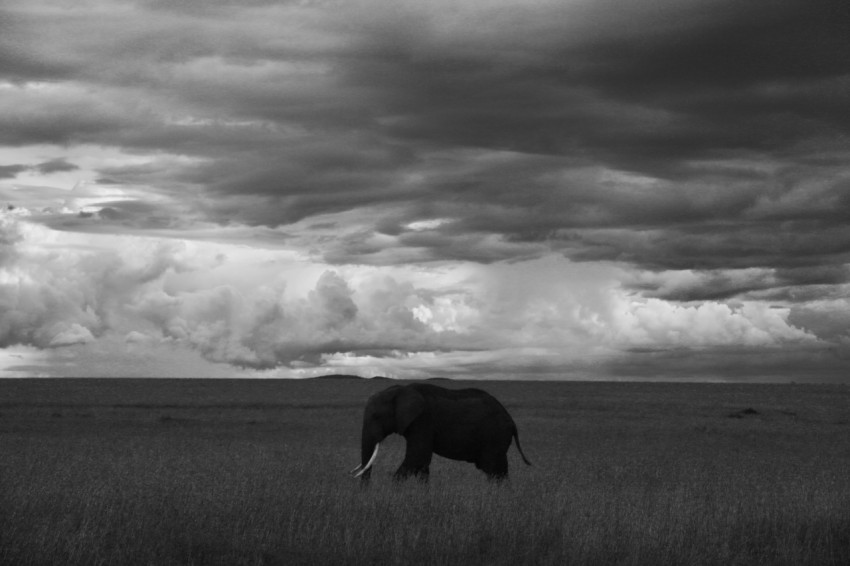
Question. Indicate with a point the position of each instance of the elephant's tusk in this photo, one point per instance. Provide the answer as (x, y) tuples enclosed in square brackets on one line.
[(368, 464)]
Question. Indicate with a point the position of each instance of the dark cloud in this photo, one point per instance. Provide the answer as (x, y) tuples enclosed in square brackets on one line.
[(45, 168), (11, 171), (714, 246), (699, 135), (55, 165), (712, 285), (730, 49), (800, 294), (644, 94), (18, 60), (796, 284), (59, 126), (130, 215)]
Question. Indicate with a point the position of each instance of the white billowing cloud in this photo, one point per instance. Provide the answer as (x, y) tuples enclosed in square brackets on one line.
[(209, 297), (69, 334), (579, 310), (217, 322), (56, 295), (658, 323), (267, 309), (446, 313), (331, 301), (265, 325)]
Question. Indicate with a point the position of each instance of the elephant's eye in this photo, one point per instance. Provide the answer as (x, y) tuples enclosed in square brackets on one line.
[(376, 414)]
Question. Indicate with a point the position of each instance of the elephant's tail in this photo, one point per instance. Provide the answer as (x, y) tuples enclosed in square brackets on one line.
[(518, 447)]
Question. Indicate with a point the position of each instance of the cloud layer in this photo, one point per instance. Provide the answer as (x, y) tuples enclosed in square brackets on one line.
[(691, 155), (580, 123), (275, 312)]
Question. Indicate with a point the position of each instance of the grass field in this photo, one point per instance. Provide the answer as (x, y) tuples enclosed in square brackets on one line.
[(254, 472)]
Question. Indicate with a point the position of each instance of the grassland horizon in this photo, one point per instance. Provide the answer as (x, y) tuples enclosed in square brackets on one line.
[(254, 472)]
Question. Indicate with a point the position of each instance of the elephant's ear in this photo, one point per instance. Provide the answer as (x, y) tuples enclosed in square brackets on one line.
[(409, 404)]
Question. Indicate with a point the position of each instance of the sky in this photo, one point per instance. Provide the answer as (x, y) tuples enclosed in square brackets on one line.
[(570, 189)]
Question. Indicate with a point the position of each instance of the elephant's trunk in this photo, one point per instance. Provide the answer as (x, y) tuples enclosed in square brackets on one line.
[(369, 444)]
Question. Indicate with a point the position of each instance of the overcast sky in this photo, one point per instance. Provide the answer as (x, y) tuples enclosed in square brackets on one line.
[(593, 189)]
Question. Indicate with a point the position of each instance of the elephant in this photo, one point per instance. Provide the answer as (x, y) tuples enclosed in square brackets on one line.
[(459, 424)]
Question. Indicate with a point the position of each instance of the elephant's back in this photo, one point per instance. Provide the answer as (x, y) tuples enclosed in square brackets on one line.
[(467, 393)]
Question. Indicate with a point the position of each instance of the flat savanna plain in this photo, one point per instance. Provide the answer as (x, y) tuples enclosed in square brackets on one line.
[(255, 472)]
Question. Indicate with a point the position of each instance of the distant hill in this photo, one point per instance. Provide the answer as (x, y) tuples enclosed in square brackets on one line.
[(336, 376), (346, 377)]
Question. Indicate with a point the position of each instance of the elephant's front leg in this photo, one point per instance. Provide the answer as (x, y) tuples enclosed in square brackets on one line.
[(417, 457)]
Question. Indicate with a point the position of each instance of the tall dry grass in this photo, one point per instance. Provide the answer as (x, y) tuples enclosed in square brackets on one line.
[(622, 475)]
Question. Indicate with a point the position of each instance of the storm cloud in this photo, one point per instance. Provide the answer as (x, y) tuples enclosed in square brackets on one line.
[(696, 148)]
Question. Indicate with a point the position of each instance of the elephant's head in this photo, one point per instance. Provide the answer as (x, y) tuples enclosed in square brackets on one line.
[(389, 411)]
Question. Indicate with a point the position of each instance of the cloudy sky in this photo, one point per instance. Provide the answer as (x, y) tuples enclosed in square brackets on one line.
[(548, 189)]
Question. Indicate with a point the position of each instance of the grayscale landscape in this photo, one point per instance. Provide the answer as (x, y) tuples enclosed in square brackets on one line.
[(628, 221)]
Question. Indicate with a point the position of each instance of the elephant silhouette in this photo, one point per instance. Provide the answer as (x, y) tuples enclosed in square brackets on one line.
[(460, 424)]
